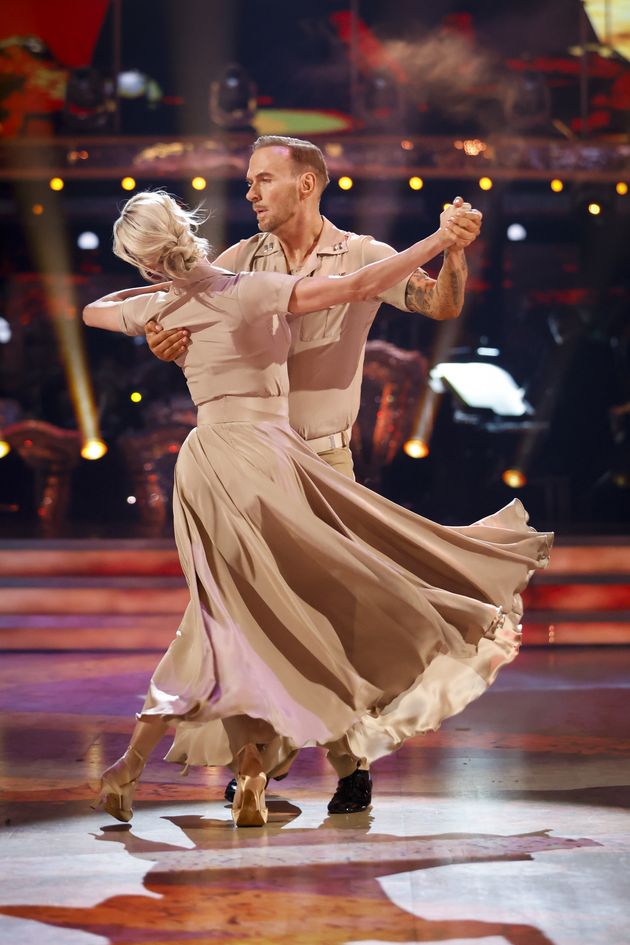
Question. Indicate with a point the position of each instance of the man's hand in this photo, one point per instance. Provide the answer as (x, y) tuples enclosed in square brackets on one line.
[(461, 222), (166, 345)]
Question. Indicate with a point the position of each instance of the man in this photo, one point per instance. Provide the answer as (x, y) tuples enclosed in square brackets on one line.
[(285, 179)]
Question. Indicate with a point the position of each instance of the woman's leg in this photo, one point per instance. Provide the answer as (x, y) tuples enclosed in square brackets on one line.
[(119, 782), (242, 730), (248, 738)]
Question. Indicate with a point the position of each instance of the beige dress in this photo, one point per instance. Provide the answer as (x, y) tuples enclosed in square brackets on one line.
[(315, 604)]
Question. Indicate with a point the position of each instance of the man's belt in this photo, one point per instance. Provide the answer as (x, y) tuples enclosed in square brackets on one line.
[(333, 441)]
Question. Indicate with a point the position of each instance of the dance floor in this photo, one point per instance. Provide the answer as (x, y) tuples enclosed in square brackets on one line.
[(510, 825)]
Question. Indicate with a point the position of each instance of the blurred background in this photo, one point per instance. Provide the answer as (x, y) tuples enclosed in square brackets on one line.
[(522, 108)]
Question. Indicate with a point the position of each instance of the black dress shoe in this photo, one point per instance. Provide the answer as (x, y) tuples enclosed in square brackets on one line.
[(353, 794), (230, 789)]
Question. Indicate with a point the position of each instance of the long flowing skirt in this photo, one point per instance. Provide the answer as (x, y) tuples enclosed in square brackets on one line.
[(323, 608)]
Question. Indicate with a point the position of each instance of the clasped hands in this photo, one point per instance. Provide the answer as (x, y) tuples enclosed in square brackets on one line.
[(461, 222)]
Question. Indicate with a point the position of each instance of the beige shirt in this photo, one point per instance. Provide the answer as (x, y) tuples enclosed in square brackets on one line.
[(239, 332), (327, 348)]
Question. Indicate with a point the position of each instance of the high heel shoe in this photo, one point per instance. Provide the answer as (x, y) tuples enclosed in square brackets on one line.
[(118, 787), (249, 808)]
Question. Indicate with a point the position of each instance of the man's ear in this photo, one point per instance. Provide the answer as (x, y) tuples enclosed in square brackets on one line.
[(308, 183)]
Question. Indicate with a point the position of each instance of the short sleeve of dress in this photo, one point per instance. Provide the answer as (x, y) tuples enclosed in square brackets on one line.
[(262, 294), (136, 311), (395, 295)]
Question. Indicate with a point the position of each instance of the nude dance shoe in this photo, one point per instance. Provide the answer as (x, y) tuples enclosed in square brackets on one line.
[(118, 787), (249, 808)]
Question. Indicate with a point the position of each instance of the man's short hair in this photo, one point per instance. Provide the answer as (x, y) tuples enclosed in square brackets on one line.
[(304, 154)]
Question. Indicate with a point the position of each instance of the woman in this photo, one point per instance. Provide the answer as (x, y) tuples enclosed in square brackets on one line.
[(318, 610)]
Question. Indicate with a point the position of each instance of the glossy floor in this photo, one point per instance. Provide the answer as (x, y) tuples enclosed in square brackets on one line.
[(510, 825)]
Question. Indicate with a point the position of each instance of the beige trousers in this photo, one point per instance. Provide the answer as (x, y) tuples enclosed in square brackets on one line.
[(340, 459)]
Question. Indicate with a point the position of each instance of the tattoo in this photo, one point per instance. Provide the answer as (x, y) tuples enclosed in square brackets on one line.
[(439, 298), (419, 292)]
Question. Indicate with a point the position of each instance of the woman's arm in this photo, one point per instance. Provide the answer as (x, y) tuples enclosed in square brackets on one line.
[(319, 292), (106, 311)]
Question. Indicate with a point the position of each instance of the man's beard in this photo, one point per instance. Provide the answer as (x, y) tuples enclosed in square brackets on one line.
[(273, 219)]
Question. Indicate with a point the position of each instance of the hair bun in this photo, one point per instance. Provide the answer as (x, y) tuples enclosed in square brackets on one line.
[(179, 258), (156, 234)]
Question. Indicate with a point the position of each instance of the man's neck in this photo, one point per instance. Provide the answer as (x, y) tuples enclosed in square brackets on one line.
[(298, 238)]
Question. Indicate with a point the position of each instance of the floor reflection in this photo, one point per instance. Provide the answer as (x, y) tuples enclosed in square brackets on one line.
[(508, 826)]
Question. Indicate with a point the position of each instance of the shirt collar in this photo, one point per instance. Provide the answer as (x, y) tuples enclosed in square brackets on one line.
[(332, 242)]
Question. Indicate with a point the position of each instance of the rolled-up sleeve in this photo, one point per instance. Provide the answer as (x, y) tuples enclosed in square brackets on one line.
[(395, 295)]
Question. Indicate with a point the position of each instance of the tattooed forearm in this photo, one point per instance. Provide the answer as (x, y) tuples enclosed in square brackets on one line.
[(440, 298), (419, 293)]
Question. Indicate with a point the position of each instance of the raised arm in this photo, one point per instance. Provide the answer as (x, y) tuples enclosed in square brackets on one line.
[(443, 298), (106, 311), (319, 292)]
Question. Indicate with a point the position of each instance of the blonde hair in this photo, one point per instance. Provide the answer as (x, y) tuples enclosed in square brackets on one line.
[(158, 236)]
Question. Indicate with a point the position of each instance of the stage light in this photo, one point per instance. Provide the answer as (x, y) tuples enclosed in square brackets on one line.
[(416, 183), (199, 183), (138, 98), (132, 84), (5, 331), (345, 183), (516, 232), (485, 183), (135, 397), (416, 448), (483, 386), (473, 147), (527, 103), (37, 209), (233, 99), (89, 103), (49, 246), (594, 209), (556, 185), (93, 449), (5, 449), (622, 188), (488, 352), (128, 183), (514, 478), (88, 240), (333, 149), (131, 500), (56, 183), (381, 103)]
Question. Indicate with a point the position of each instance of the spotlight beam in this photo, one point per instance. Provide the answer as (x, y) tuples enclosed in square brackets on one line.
[(50, 249), (445, 338)]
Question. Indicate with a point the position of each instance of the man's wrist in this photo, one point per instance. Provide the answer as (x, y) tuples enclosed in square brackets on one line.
[(454, 251)]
